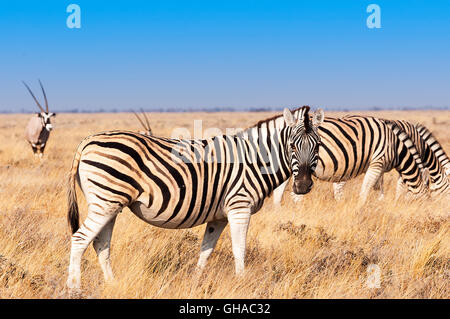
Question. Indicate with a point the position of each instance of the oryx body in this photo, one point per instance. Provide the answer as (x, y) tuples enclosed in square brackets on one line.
[(39, 126), (36, 134)]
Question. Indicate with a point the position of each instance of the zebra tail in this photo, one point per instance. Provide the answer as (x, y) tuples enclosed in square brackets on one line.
[(73, 216)]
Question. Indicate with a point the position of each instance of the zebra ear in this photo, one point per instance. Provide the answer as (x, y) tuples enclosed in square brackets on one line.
[(426, 176), (318, 117), (288, 117)]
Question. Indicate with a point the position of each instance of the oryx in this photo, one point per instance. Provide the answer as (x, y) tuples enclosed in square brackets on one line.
[(146, 125), (39, 126)]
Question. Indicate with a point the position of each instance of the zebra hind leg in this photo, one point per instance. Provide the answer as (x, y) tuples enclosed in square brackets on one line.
[(97, 218), (102, 244), (213, 231)]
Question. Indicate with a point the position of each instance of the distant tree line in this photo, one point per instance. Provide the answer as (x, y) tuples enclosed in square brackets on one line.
[(228, 109)]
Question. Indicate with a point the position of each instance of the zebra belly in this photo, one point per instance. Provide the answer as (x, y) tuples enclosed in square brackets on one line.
[(148, 214), (329, 175)]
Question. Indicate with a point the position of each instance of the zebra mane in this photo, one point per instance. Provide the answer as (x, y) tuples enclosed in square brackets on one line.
[(387, 121), (405, 139), (276, 117), (435, 146), (306, 119)]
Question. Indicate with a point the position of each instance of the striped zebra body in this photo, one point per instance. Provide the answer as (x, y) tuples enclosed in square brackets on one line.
[(435, 146), (175, 183), (432, 156), (355, 145)]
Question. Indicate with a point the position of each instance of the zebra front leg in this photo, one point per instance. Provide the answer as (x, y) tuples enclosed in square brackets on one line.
[(401, 189), (239, 219), (337, 188), (213, 231), (379, 186), (372, 176), (278, 193), (102, 244), (95, 221)]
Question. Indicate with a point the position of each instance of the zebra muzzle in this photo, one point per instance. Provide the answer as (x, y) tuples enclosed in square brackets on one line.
[(302, 186)]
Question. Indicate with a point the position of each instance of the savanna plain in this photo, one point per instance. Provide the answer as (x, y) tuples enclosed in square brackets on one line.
[(318, 248)]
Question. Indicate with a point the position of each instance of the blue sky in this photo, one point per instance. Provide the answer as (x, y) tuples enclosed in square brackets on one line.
[(240, 54)]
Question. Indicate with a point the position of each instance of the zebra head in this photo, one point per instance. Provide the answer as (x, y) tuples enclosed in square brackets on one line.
[(43, 115), (303, 143)]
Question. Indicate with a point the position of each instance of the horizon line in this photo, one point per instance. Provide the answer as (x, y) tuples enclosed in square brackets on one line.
[(233, 109)]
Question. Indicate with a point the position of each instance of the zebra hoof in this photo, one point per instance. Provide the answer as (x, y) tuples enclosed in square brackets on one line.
[(73, 285), (199, 269), (74, 293)]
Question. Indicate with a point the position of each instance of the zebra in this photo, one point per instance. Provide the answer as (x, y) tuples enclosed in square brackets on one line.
[(436, 148), (147, 129), (432, 156), (39, 126), (439, 181), (353, 145), (176, 183)]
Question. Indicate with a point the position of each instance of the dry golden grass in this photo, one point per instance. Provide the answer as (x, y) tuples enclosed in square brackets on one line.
[(317, 249)]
